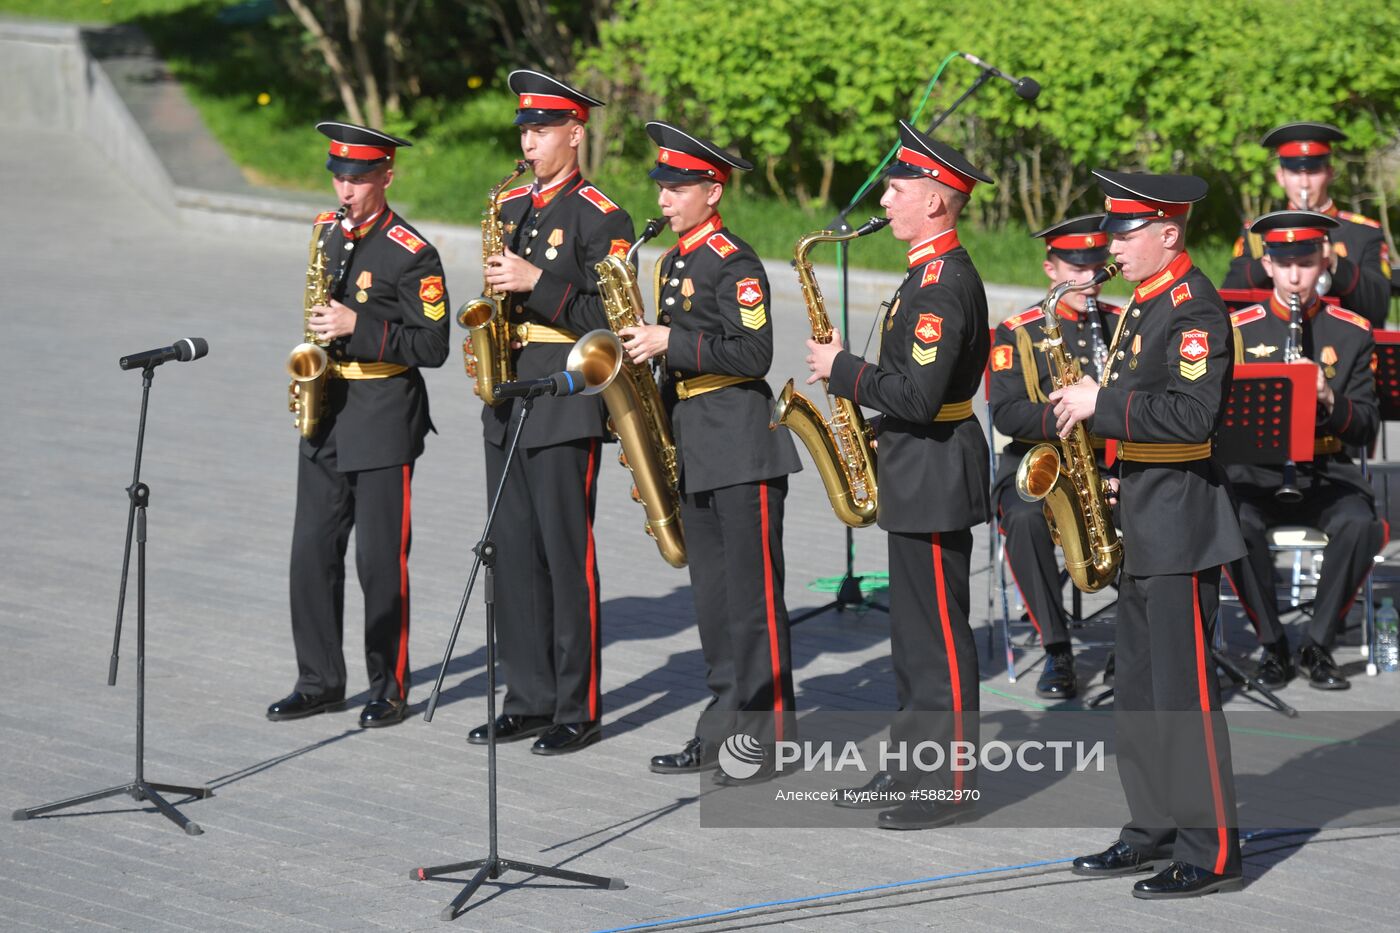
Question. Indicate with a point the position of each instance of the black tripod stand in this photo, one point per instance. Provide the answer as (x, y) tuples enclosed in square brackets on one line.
[(139, 496), (493, 865)]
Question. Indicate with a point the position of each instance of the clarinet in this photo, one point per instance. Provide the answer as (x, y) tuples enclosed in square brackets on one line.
[(1091, 308), (1288, 492)]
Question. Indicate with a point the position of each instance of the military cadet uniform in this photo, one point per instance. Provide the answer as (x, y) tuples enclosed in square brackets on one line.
[(1337, 498), (1020, 389), (934, 483), (547, 592), (358, 468), (1164, 390), (714, 297), (1362, 277)]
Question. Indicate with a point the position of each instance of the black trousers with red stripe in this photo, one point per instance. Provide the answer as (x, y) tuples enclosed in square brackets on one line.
[(931, 644), (377, 505), (1354, 536), (548, 608), (1030, 553), (734, 546), (1173, 750)]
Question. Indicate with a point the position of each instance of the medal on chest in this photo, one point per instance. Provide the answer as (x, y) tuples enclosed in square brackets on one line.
[(363, 282), (556, 238), (687, 290)]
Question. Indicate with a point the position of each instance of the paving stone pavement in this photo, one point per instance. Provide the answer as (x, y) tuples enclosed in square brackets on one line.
[(315, 824)]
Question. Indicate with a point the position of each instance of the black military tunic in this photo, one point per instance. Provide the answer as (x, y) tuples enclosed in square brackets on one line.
[(1337, 498), (1020, 387), (1361, 279), (934, 481), (714, 296), (1163, 396), (547, 592), (357, 470)]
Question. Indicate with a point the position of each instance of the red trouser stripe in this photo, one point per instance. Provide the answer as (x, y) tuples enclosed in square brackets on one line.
[(1201, 685), (772, 615), (401, 664), (954, 676), (590, 571)]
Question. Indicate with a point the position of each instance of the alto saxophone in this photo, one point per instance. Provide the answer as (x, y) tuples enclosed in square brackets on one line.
[(486, 349), (1066, 480), (635, 412), (840, 447), (308, 362)]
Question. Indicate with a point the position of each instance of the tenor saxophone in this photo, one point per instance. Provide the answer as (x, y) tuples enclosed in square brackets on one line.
[(486, 349), (635, 412), (840, 447), (1065, 480), (308, 362)]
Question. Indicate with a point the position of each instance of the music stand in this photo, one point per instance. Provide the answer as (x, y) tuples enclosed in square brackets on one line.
[(138, 498)]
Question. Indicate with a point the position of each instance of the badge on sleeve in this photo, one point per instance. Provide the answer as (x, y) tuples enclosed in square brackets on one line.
[(1181, 293), (753, 313), (1195, 347), (1002, 358), (927, 330), (431, 291)]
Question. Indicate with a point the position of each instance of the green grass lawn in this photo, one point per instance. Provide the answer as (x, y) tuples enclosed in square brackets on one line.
[(257, 86)]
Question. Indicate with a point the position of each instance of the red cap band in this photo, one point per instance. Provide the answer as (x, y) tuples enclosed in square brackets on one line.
[(1304, 147), (363, 153), (1160, 208), (1078, 241), (941, 172), (551, 102), (1295, 235), (677, 159)]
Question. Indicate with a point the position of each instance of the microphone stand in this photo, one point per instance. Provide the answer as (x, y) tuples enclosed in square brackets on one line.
[(493, 865), (848, 593), (139, 497)]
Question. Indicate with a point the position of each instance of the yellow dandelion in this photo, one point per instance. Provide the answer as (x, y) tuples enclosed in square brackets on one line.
[(474, 82), (264, 99)]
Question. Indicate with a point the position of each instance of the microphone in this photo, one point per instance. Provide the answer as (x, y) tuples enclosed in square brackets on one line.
[(182, 350), (1026, 88), (569, 382)]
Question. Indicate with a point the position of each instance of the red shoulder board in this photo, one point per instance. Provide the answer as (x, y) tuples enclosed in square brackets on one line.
[(722, 244), (1025, 317), (931, 273), (324, 217), (513, 193), (1111, 309), (1247, 315), (1359, 219), (401, 235), (1342, 314), (1181, 293), (595, 197)]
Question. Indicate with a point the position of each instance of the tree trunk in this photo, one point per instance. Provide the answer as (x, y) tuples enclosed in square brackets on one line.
[(332, 57), (828, 172), (354, 27), (770, 169)]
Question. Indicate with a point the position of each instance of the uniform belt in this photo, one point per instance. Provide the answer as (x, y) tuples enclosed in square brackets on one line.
[(699, 385), (954, 411), (1163, 453), (542, 333), (1097, 443), (1327, 444), (353, 369)]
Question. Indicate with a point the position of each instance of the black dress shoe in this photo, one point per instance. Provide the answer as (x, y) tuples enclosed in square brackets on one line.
[(1276, 666), (920, 814), (1180, 879), (297, 705), (698, 755), (510, 728), (881, 791), (1323, 672), (567, 737), (379, 713), (1118, 859), (1057, 680)]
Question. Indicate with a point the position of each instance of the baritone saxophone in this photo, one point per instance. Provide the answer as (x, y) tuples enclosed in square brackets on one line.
[(841, 447), (1065, 480), (308, 362), (486, 349), (635, 412)]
